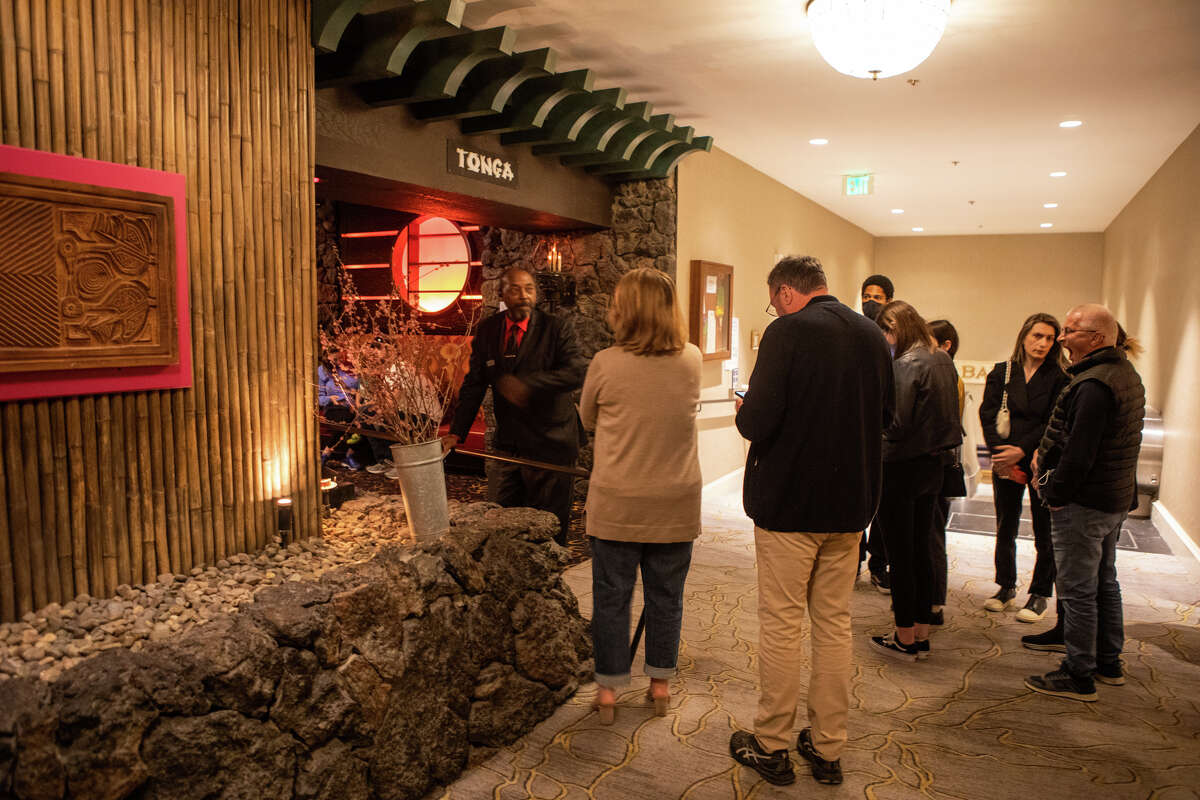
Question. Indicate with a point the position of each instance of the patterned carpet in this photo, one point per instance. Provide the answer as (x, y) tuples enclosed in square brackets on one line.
[(960, 725)]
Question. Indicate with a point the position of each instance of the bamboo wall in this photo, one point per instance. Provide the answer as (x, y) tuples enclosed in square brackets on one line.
[(104, 490)]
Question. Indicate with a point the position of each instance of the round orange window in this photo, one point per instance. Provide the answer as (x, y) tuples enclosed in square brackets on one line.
[(431, 261)]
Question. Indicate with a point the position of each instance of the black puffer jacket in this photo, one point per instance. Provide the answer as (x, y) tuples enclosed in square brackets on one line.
[(1101, 471), (926, 420)]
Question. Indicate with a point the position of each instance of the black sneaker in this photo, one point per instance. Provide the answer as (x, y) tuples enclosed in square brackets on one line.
[(1051, 641), (1061, 683), (881, 582), (827, 772), (895, 648), (1112, 674), (937, 617), (1035, 609), (922, 649), (1003, 600), (775, 767)]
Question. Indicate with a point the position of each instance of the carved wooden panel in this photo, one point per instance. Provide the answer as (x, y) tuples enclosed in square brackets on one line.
[(87, 276)]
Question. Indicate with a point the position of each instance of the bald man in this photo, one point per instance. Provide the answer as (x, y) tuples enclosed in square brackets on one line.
[(533, 363), (1086, 470)]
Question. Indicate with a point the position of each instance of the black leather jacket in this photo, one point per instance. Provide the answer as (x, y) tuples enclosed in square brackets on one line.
[(926, 420)]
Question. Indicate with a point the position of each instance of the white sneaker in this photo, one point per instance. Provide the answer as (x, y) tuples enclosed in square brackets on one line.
[(392, 473), (1034, 609), (375, 469), (1003, 600)]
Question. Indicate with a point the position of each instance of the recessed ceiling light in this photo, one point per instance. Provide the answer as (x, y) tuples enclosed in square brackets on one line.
[(1058, 174), (918, 230), (818, 141), (897, 210), (1049, 205), (1070, 123), (1047, 224)]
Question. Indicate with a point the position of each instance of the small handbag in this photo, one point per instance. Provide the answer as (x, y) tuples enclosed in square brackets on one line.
[(1003, 419), (954, 482)]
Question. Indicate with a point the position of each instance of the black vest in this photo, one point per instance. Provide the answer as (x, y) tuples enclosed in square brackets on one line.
[(1111, 485)]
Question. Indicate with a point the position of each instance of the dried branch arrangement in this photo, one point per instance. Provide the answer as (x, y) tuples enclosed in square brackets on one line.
[(408, 371)]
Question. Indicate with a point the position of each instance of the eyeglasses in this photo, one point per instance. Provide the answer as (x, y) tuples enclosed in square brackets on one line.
[(1068, 331), (771, 310)]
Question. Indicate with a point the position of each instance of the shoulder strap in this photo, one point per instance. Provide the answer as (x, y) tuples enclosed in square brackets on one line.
[(1007, 377)]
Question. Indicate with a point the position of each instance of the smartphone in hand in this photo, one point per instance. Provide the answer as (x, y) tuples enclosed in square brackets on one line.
[(738, 393)]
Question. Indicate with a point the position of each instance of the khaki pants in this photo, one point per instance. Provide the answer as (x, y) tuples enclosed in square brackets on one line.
[(799, 571)]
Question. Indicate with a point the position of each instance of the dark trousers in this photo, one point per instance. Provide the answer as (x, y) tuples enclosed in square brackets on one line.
[(615, 566), (939, 563), (1007, 497), (518, 486), (910, 495)]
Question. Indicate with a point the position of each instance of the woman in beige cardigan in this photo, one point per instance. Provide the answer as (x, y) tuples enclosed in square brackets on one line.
[(643, 504)]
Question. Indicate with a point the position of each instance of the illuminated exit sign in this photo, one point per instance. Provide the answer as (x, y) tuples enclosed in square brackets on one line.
[(858, 185)]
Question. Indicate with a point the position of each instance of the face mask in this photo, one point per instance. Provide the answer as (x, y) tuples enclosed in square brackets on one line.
[(871, 309)]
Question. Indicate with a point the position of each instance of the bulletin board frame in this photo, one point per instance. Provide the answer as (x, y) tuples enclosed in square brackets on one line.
[(710, 313)]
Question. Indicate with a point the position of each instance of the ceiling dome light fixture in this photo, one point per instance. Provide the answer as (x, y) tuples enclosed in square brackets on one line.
[(876, 38), (918, 230), (1058, 174), (1049, 205), (897, 210), (818, 141), (1070, 123)]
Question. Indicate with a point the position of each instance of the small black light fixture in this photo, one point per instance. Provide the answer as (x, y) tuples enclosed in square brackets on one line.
[(283, 513)]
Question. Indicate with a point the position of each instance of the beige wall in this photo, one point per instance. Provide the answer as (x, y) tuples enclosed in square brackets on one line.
[(987, 285), (1152, 283), (731, 213)]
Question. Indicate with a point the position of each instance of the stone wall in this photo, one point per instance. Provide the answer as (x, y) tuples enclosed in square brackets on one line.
[(379, 679), (329, 273)]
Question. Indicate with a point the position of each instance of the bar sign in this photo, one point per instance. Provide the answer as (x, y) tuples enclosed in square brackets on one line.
[(470, 162)]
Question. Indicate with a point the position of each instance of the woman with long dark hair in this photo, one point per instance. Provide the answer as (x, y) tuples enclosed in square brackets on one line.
[(1019, 395), (643, 503), (916, 446)]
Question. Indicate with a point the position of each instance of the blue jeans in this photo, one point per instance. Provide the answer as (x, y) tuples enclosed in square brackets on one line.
[(614, 573), (1085, 554)]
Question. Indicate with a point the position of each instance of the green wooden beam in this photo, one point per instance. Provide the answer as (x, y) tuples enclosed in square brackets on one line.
[(598, 132), (490, 86), (329, 21), (377, 46), (666, 161), (437, 67), (663, 127), (569, 117), (532, 103), (619, 149)]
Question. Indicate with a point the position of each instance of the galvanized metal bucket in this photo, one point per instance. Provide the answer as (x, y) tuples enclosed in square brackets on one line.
[(423, 482)]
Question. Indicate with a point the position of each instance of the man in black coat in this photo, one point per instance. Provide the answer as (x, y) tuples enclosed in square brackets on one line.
[(533, 363), (821, 394)]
